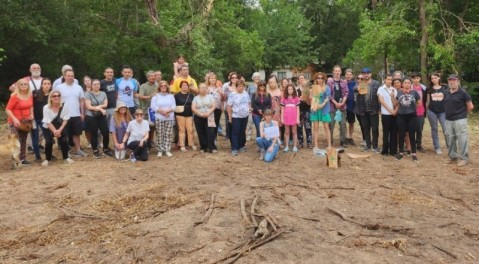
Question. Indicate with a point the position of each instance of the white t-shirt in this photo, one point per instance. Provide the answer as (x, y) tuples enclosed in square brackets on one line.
[(385, 93), (137, 131), (49, 115), (71, 95), (35, 83), (59, 81)]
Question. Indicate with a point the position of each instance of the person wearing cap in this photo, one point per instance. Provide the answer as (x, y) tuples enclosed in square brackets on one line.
[(458, 104), (339, 96), (367, 107), (118, 125), (61, 79)]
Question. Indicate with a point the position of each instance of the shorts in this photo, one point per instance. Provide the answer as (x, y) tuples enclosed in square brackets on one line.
[(75, 126), (350, 117)]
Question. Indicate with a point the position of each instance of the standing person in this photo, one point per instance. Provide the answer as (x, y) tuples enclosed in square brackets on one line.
[(397, 84), (458, 104), (86, 89), (184, 76), (118, 124), (177, 65), (436, 111), (158, 76), (19, 108), (228, 89), (260, 102), (238, 107), (320, 95), (203, 107), (40, 99), (127, 88), (147, 91), (164, 104), (276, 94), (215, 90), (407, 100), (350, 102), (136, 136), (339, 96), (55, 121), (290, 115), (256, 78), (386, 95), (184, 117), (33, 80), (107, 86), (303, 91), (269, 145), (61, 79), (367, 107), (421, 110), (96, 103), (73, 96)]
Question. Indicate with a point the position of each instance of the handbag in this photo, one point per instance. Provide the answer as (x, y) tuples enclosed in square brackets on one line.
[(58, 121), (96, 113), (26, 125), (181, 108)]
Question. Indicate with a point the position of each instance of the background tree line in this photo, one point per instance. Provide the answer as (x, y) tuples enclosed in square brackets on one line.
[(241, 35)]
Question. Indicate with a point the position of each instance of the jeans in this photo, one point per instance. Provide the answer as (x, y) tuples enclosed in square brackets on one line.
[(62, 142), (238, 132), (407, 123), (370, 123), (342, 126), (264, 144), (433, 120), (419, 128), (256, 121), (35, 138), (456, 139), (390, 134)]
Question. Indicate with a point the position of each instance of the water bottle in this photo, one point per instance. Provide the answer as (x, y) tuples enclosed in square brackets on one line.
[(151, 114)]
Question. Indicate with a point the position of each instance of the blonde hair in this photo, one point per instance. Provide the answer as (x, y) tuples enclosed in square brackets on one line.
[(305, 92), (17, 88), (117, 117), (167, 86), (50, 98)]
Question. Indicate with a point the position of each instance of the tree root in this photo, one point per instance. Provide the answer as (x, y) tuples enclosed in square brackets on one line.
[(208, 213)]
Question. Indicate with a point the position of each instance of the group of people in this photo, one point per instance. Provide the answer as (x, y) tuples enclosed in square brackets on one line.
[(287, 116)]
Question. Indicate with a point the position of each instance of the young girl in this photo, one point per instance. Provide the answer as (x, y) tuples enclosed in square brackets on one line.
[(118, 126), (290, 115), (40, 99), (177, 66), (269, 146), (436, 111), (320, 94)]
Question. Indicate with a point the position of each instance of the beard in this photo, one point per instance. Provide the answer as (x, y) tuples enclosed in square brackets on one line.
[(36, 73)]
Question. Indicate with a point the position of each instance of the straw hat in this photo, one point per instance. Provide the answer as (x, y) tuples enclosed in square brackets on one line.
[(119, 105)]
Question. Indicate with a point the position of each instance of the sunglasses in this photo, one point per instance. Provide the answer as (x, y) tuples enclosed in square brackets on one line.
[(56, 96), (319, 78), (360, 79)]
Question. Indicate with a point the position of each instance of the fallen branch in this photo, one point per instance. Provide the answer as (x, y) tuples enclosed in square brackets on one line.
[(445, 251), (243, 213), (336, 188), (455, 199), (253, 205), (208, 212), (75, 213)]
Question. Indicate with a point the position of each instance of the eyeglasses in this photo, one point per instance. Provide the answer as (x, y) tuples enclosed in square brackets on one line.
[(138, 114), (56, 96)]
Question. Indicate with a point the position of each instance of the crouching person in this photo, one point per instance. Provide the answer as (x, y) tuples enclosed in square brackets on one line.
[(268, 142), (136, 137)]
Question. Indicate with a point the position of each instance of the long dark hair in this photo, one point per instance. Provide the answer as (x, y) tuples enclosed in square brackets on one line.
[(39, 93)]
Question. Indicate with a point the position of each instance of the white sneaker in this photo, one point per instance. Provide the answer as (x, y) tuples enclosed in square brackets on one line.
[(45, 163), (168, 154), (159, 155), (89, 146), (194, 148), (438, 151), (68, 161)]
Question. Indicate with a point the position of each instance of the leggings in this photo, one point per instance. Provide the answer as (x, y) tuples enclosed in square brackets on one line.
[(407, 123), (62, 142)]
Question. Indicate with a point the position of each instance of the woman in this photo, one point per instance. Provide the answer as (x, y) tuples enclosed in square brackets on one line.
[(215, 91), (184, 117), (87, 88), (180, 61), (40, 99), (284, 84), (203, 107), (55, 119), (136, 137), (95, 104), (163, 104), (436, 111), (268, 142), (229, 89), (238, 107), (275, 93), (320, 94), (260, 102), (408, 100), (120, 120), (20, 109), (397, 84)]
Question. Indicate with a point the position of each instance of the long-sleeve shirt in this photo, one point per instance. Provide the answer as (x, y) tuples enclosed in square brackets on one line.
[(260, 102)]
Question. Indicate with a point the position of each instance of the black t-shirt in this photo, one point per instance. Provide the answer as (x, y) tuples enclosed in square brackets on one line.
[(407, 102), (38, 103), (436, 100), (337, 91), (455, 104), (109, 88), (185, 100)]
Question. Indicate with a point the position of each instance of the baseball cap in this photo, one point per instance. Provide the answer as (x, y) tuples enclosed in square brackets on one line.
[(366, 70), (452, 77)]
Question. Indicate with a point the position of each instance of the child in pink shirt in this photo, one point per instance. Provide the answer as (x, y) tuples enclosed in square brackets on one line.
[(290, 116)]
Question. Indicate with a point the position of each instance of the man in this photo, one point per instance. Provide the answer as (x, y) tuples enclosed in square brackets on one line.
[(386, 95), (34, 80), (184, 76), (421, 110), (73, 96), (367, 107), (339, 96), (61, 79), (256, 78), (350, 102), (107, 86), (458, 104), (158, 76), (147, 91), (127, 88)]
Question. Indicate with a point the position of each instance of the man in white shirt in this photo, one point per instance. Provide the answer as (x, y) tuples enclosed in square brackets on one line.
[(72, 94), (61, 79), (386, 95)]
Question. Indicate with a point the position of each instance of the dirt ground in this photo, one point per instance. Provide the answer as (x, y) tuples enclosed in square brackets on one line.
[(371, 210)]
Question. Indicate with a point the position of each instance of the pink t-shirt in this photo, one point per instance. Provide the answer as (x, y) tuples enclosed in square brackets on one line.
[(290, 115), (421, 109)]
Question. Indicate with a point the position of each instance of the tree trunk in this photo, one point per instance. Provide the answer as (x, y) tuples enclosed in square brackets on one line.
[(424, 38), (152, 11)]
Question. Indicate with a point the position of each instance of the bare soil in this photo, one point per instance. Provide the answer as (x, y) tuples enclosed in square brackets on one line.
[(370, 210)]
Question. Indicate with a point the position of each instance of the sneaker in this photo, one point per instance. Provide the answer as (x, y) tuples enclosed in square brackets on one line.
[(214, 151), (194, 148), (159, 155), (234, 153), (438, 151), (462, 163), (96, 154), (68, 161), (45, 163), (183, 149), (351, 142), (132, 158), (295, 149), (399, 156), (168, 154), (108, 152), (414, 158), (286, 149), (376, 150), (365, 149), (88, 146), (80, 153), (243, 149), (364, 143), (26, 163), (421, 149)]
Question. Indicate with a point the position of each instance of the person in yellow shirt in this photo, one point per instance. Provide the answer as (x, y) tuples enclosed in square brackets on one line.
[(184, 76)]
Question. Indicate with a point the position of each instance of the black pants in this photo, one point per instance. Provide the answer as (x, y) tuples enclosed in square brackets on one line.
[(370, 123), (206, 135), (141, 153), (62, 141), (389, 134), (407, 123), (95, 123)]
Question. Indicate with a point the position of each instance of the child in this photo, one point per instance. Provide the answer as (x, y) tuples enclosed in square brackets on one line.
[(290, 115), (268, 142)]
